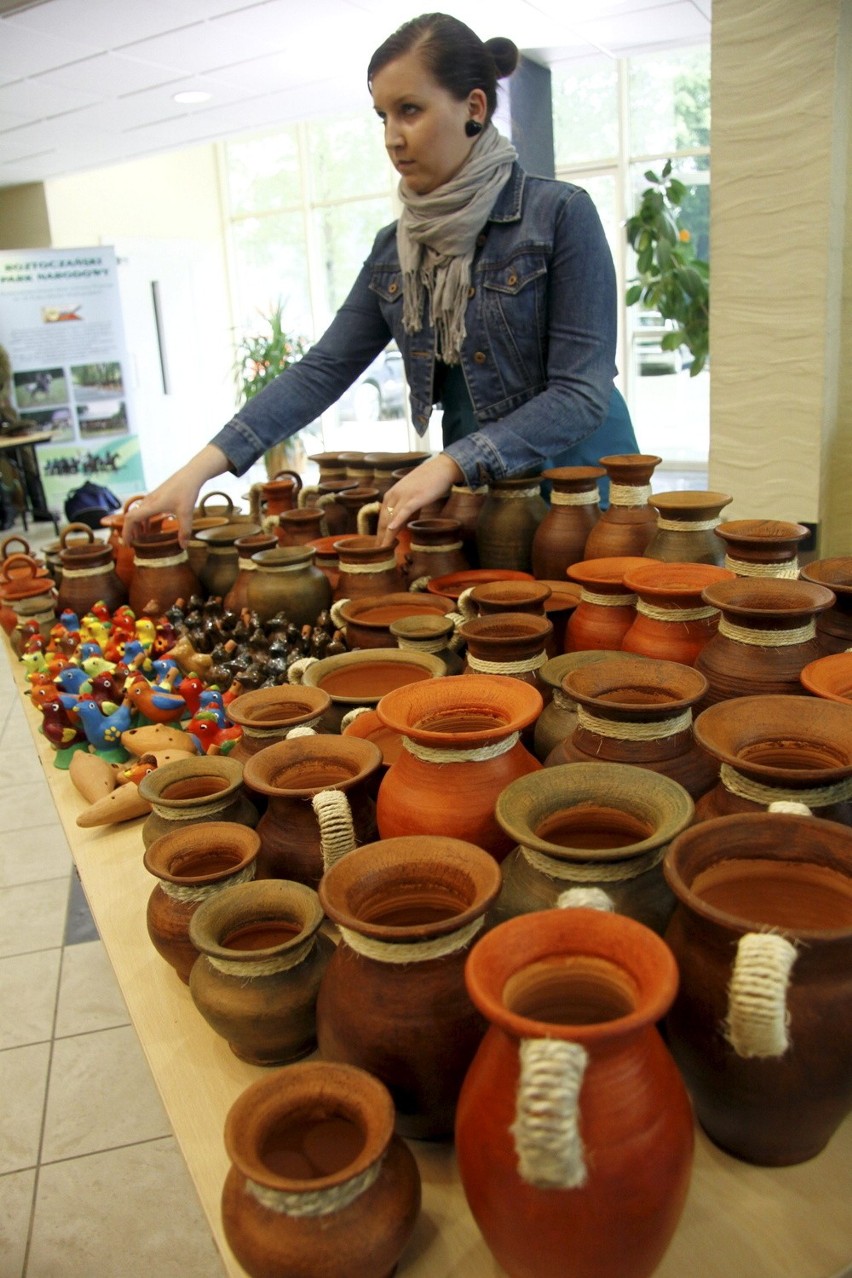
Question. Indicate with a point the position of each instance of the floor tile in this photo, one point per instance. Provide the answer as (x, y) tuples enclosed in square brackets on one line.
[(16, 1200), (101, 1095), (89, 997), (32, 916), (28, 990), (40, 852), (25, 805), (141, 1214), (23, 1084), (79, 924)]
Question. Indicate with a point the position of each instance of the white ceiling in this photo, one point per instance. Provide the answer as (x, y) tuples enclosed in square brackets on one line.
[(86, 83)]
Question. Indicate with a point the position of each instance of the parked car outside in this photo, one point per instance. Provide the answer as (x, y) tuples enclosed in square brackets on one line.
[(379, 392), (651, 355)]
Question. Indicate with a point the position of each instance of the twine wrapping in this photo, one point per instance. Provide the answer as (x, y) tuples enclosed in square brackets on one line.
[(301, 730), (686, 525), (246, 565), (200, 892), (546, 1129), (743, 568), (268, 523), (585, 898), (525, 666), (818, 796), (516, 492), (436, 550), (562, 701), (629, 494), (364, 513), (594, 871), (315, 1202), (479, 755), (262, 734), (93, 572), (758, 1020), (619, 730), (411, 952), (606, 601), (419, 583), (253, 970), (198, 812), (767, 638), (386, 565), (337, 833), (296, 671), (336, 615), (790, 808), (304, 494), (674, 614), (465, 607), (422, 645), (353, 714), (464, 488), (586, 497)]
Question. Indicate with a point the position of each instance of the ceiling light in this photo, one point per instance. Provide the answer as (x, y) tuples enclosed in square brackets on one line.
[(190, 97)]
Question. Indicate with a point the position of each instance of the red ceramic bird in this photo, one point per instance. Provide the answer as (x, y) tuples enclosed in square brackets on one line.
[(153, 702)]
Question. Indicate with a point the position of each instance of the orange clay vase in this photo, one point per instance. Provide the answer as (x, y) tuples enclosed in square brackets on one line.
[(629, 524), (762, 1024), (560, 539), (607, 609), (672, 620), (393, 998), (161, 574), (574, 1133), (461, 747), (834, 626), (830, 677), (366, 568), (319, 1185)]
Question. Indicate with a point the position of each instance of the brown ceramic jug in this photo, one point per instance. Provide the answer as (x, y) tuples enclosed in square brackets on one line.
[(560, 539), (628, 525)]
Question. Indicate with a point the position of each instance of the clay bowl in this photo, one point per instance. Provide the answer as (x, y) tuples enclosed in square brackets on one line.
[(368, 620), (362, 678), (830, 677), (777, 738), (268, 714), (455, 582)]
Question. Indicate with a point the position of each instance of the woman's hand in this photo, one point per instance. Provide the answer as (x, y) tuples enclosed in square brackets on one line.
[(428, 482), (176, 495)]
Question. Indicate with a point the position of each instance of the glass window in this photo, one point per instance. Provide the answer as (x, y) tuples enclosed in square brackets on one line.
[(263, 173), (272, 266), (347, 159), (585, 111), (669, 96)]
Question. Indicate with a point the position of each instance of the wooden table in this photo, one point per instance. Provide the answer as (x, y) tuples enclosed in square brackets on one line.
[(21, 449), (739, 1221)]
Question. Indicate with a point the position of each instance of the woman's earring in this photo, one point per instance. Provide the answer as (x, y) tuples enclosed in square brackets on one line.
[(472, 128)]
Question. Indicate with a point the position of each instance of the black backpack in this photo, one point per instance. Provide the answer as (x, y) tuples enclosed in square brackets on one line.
[(89, 503)]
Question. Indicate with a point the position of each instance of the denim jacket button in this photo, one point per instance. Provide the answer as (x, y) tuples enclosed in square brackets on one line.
[(480, 357), (393, 288), (511, 281)]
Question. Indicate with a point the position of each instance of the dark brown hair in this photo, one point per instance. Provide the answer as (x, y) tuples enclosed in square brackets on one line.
[(456, 57)]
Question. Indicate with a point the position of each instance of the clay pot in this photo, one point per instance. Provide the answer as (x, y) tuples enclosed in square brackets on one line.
[(267, 715), (435, 549), (325, 558), (778, 749), (221, 563), (574, 1132), (456, 583), (367, 620), (270, 499), (246, 545), (430, 633), (366, 568), (367, 726), (323, 496), (286, 580), (393, 998), (560, 539), (638, 713), (192, 865), (161, 574), (672, 621), (493, 597), (28, 594), (629, 524), (762, 547), (686, 523), (319, 1185), (195, 789), (464, 504), (834, 626), (88, 576), (261, 959), (766, 635), (510, 515), (318, 803), (507, 643), (606, 610), (330, 466), (352, 501), (209, 508), (558, 719), (302, 526), (830, 677), (591, 825), (558, 606), (122, 552), (462, 747), (762, 1025), (356, 679), (385, 467)]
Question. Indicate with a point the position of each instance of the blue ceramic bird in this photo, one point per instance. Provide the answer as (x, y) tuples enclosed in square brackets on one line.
[(211, 703), (73, 679), (103, 731)]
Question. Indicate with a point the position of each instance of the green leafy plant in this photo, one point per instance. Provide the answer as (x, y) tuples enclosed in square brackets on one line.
[(670, 278), (260, 357)]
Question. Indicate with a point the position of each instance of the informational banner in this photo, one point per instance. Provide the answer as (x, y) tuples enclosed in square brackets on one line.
[(60, 321)]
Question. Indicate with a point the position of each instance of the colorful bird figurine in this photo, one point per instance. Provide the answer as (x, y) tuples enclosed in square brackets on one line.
[(94, 666), (58, 726), (146, 632), (211, 702), (156, 705), (191, 688), (73, 679), (210, 737), (108, 689), (69, 619), (103, 731)]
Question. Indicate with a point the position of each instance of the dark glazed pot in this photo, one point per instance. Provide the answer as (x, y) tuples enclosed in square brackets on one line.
[(560, 539), (834, 626), (510, 515), (287, 581), (88, 576), (686, 523)]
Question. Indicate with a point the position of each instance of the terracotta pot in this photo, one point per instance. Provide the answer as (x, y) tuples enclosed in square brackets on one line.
[(358, 470), (638, 713), (629, 524), (462, 747), (324, 496), (766, 635), (367, 726), (246, 545), (330, 466), (558, 719), (558, 606), (122, 553), (221, 564), (778, 749), (830, 677), (319, 1184), (686, 523), (574, 1132), (88, 577), (606, 610), (195, 789), (591, 825), (672, 621), (270, 499), (431, 632), (209, 508), (560, 539), (507, 643), (28, 594), (493, 597), (261, 959), (366, 568), (834, 626), (161, 574), (386, 465), (286, 580), (464, 504), (510, 515), (762, 1025), (393, 998), (367, 620), (353, 500), (302, 526), (325, 558), (192, 865), (355, 679), (456, 583), (318, 803), (762, 547), (436, 548), (267, 715)]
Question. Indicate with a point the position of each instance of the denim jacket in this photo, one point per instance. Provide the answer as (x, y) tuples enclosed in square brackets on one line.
[(538, 357)]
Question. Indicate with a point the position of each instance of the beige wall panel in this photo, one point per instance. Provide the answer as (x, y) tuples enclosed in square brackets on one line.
[(23, 217)]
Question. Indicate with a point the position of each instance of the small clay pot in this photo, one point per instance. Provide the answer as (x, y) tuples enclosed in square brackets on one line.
[(433, 633), (456, 583), (195, 789), (464, 504), (686, 523), (367, 567), (510, 516), (319, 1185), (286, 580), (266, 715), (301, 526), (88, 577), (366, 621), (560, 539), (762, 547), (830, 677), (607, 609), (629, 524), (261, 959), (192, 865), (558, 719), (834, 626), (672, 621), (246, 545), (354, 679), (161, 574), (507, 643), (221, 563), (435, 549)]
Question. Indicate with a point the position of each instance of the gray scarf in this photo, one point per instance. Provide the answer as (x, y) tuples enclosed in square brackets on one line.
[(436, 238)]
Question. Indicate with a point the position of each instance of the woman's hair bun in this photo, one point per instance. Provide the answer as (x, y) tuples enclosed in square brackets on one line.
[(505, 54)]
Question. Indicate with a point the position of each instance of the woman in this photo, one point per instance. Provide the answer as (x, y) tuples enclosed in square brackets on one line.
[(498, 288)]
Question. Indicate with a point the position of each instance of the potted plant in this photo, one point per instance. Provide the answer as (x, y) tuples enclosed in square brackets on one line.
[(670, 278), (260, 357)]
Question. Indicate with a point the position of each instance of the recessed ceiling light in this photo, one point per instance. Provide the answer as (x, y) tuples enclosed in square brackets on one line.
[(191, 96)]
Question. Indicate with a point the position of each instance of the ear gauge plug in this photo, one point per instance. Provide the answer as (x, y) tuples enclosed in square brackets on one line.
[(472, 128)]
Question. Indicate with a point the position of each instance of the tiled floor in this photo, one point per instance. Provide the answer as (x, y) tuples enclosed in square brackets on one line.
[(92, 1184)]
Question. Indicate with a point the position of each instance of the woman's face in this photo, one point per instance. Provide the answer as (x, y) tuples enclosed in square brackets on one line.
[(424, 124)]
